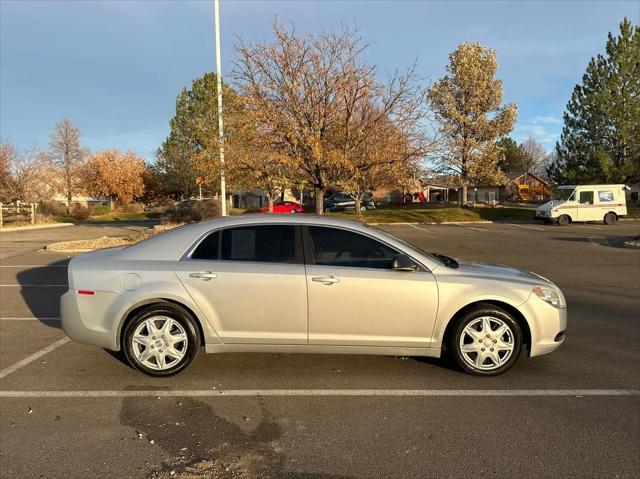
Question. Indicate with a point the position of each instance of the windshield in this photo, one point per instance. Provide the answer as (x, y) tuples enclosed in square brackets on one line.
[(563, 194), (438, 258)]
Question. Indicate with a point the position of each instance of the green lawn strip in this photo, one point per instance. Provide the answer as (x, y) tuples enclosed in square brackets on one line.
[(441, 215)]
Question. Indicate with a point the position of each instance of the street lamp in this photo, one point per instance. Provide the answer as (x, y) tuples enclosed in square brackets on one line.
[(223, 188)]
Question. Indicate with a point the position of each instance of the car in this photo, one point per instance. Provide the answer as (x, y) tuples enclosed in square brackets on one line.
[(583, 203), (343, 201), (284, 207), (304, 284)]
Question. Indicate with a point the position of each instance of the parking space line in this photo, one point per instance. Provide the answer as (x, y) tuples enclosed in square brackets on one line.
[(34, 266), (418, 228), (470, 227), (30, 318), (590, 227), (18, 285), (29, 359), (324, 392), (527, 227)]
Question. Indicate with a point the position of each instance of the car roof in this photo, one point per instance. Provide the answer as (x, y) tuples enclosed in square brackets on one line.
[(172, 244)]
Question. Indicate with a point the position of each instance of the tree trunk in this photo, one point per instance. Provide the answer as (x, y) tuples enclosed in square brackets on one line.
[(358, 204), (270, 200), (319, 197), (464, 194)]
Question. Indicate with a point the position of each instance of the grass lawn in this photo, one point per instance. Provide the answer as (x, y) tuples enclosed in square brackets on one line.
[(441, 215), (113, 216)]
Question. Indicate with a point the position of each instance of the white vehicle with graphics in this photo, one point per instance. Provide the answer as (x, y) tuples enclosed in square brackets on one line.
[(573, 203)]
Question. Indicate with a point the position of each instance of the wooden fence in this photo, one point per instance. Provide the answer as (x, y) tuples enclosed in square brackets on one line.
[(17, 213)]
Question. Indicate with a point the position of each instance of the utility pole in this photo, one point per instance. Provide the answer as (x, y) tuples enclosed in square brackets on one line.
[(223, 187)]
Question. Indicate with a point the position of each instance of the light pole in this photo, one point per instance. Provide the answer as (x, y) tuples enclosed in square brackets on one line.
[(223, 188)]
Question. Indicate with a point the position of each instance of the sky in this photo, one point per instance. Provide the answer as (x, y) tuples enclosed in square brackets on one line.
[(114, 68)]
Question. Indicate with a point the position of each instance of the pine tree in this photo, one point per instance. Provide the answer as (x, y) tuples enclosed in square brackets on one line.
[(600, 141)]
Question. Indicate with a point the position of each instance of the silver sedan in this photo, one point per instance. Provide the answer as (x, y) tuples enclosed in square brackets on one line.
[(304, 285)]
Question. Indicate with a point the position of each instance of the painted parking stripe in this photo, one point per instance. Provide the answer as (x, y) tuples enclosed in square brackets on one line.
[(33, 285), (590, 227), (477, 228), (527, 227), (29, 318), (421, 229), (324, 392), (34, 266), (29, 359)]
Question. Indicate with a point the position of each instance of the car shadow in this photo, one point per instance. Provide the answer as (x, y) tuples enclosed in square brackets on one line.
[(40, 290)]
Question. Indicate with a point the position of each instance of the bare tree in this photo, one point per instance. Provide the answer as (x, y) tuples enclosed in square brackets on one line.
[(293, 86), (534, 156), (23, 174), (67, 157)]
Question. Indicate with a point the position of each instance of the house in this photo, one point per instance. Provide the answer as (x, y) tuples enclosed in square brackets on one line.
[(82, 200), (527, 187)]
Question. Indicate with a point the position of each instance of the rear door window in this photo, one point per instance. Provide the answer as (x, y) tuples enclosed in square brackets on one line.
[(260, 243)]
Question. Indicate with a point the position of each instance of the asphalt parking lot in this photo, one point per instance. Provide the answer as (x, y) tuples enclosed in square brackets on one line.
[(68, 410)]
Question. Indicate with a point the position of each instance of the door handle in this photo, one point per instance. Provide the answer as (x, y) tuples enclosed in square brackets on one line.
[(328, 280), (203, 275)]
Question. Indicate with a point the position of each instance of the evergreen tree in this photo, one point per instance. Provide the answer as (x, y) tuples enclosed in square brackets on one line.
[(600, 141)]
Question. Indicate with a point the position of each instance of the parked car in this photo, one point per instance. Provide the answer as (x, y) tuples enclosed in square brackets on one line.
[(342, 201), (304, 284), (571, 203), (284, 207)]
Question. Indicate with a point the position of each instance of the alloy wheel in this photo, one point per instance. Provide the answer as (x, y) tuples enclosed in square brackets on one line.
[(487, 343)]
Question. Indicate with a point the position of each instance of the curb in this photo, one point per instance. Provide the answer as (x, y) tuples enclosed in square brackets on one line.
[(35, 227)]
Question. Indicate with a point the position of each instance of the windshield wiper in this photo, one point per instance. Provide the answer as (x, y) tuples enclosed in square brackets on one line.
[(450, 262)]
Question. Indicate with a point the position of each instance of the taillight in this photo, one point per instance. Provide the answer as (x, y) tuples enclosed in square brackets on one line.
[(86, 292)]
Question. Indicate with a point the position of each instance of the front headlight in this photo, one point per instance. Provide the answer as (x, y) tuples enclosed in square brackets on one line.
[(549, 294)]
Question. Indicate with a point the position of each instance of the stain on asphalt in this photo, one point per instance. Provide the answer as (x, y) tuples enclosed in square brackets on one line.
[(201, 443)]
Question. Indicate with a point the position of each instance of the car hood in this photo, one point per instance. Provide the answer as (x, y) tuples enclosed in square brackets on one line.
[(493, 270)]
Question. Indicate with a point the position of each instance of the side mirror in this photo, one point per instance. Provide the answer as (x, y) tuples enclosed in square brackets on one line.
[(401, 262)]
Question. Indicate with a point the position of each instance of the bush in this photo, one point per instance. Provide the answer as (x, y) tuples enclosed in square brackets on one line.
[(191, 211), (79, 212), (100, 210), (51, 209)]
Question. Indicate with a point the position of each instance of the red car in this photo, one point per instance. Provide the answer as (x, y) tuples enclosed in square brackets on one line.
[(284, 207)]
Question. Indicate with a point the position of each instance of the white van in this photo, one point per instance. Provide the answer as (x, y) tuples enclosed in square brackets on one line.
[(584, 203)]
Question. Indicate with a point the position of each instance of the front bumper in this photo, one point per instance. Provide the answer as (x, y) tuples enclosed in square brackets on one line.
[(547, 325)]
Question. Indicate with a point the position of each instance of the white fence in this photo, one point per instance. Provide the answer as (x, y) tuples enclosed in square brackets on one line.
[(17, 213)]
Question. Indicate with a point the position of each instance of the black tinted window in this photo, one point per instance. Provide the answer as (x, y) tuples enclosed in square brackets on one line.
[(336, 247), (274, 244), (208, 247)]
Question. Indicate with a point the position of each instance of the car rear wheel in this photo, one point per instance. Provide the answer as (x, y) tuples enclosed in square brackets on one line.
[(610, 218), (563, 220), (486, 341), (161, 340)]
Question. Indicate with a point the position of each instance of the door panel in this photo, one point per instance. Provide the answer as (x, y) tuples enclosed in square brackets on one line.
[(250, 302), (371, 307)]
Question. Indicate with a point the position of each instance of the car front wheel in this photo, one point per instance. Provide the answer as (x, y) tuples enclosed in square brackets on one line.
[(161, 340), (486, 341)]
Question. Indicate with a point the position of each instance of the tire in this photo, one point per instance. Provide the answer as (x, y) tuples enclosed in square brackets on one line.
[(563, 220), (327, 210), (165, 364), (292, 212), (546, 221), (485, 354), (610, 218)]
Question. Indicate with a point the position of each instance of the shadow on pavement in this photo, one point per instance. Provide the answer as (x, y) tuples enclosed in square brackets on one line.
[(42, 299)]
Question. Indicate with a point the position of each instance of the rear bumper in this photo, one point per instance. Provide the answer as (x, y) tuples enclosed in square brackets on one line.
[(96, 329)]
